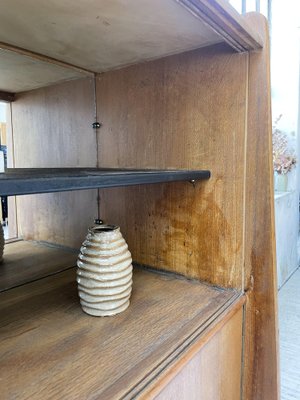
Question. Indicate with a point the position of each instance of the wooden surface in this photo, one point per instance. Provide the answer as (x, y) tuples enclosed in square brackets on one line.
[(19, 72), (214, 372), (27, 261), (39, 49), (261, 329), (11, 201), (20, 181), (101, 35), (46, 59), (52, 127), (185, 111), (226, 21), (49, 348)]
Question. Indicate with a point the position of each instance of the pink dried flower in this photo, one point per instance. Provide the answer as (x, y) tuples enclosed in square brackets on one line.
[(284, 159)]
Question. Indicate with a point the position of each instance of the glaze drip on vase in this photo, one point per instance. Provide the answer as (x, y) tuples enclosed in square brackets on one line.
[(104, 273)]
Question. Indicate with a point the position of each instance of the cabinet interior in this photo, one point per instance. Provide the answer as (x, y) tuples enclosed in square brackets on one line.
[(181, 99)]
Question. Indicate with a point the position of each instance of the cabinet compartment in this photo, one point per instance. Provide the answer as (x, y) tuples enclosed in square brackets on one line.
[(61, 352)]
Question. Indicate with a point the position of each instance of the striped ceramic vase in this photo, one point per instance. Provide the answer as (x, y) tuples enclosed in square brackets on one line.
[(104, 274)]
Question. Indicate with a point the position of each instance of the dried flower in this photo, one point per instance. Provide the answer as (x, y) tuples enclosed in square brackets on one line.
[(284, 159)]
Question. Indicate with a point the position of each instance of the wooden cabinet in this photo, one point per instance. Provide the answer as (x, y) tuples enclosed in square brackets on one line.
[(181, 91)]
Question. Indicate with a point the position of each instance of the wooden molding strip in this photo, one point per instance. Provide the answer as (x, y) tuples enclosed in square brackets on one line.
[(7, 97), (227, 22), (43, 58), (261, 380), (160, 381)]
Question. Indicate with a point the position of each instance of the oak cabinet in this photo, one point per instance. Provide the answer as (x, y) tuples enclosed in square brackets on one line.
[(180, 91)]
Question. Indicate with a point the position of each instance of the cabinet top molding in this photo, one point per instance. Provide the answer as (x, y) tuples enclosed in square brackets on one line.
[(225, 21), (84, 37)]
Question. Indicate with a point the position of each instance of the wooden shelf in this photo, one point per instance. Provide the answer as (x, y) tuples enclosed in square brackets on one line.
[(108, 35), (26, 261), (50, 348), (43, 180)]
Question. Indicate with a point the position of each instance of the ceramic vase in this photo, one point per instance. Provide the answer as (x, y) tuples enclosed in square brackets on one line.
[(104, 273), (280, 182), (1, 242)]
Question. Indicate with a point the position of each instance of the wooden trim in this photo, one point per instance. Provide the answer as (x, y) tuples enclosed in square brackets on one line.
[(226, 21), (11, 200), (43, 58), (157, 385), (7, 97), (261, 380)]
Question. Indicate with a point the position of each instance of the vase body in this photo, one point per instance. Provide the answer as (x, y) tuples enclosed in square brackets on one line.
[(280, 182), (1, 242), (104, 273)]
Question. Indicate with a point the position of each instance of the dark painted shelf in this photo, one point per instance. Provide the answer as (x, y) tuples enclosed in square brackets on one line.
[(18, 181)]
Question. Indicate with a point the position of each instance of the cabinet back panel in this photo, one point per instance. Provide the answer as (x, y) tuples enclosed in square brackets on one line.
[(184, 111), (52, 128)]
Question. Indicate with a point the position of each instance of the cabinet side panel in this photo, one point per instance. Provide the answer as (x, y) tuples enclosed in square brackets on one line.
[(261, 327), (185, 111), (214, 372), (52, 127)]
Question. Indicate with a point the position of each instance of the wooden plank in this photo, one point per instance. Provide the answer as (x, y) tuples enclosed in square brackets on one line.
[(52, 127), (47, 180), (103, 35), (226, 21), (20, 72), (24, 262), (155, 387), (74, 355), (44, 59), (261, 380), (7, 97), (206, 375), (11, 201), (185, 111)]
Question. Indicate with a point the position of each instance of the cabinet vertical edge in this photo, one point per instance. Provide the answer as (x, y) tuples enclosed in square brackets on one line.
[(261, 365)]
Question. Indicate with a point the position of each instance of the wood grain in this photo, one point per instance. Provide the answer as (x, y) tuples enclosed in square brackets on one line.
[(24, 262), (225, 20), (49, 348), (185, 111), (103, 35), (261, 330), (11, 201), (20, 72), (155, 387), (52, 127), (207, 375), (45, 59)]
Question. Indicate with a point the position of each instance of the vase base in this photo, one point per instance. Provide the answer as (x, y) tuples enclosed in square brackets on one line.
[(105, 313)]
